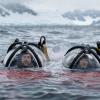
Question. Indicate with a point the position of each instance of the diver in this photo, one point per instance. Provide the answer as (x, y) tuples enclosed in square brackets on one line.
[(26, 54), (81, 57)]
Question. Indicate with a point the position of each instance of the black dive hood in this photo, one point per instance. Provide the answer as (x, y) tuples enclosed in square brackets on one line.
[(23, 47), (83, 50)]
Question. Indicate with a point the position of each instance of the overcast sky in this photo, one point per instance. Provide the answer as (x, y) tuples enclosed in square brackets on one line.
[(64, 5), (59, 5)]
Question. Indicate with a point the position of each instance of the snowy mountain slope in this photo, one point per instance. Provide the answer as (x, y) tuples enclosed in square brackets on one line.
[(19, 8), (18, 13), (80, 15), (3, 12)]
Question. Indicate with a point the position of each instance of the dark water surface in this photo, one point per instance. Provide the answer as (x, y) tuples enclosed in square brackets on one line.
[(53, 82)]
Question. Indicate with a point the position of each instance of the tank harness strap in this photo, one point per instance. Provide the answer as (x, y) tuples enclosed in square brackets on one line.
[(75, 47), (16, 42), (95, 54), (12, 55), (75, 59), (36, 56)]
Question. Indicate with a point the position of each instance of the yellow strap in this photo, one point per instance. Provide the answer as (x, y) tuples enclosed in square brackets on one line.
[(98, 49), (45, 51)]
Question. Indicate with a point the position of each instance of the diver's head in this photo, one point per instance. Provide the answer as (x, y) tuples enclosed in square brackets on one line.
[(26, 59), (83, 62), (87, 61)]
